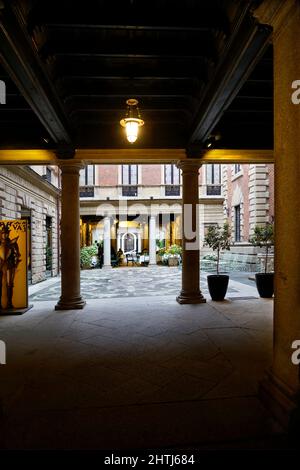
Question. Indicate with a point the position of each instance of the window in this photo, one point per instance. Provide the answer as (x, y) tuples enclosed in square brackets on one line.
[(129, 180), (87, 176), (172, 180), (129, 174), (237, 168), (48, 175), (213, 180), (87, 181), (172, 174), (237, 223), (49, 244)]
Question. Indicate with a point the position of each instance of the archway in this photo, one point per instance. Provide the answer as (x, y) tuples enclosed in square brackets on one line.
[(129, 242)]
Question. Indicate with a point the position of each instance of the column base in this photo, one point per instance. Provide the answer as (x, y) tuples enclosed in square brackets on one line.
[(280, 401), (107, 266), (185, 298), (75, 304)]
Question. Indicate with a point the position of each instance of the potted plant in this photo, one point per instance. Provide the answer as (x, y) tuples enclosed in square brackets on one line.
[(160, 250), (218, 238), (161, 253), (174, 254), (264, 237)]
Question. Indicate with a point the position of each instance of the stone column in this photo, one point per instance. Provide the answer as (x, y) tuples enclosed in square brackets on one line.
[(190, 292), (152, 239), (113, 235), (139, 249), (145, 236), (107, 243), (70, 237), (281, 387)]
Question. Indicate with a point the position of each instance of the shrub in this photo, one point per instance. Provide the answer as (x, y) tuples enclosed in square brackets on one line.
[(174, 250), (86, 255)]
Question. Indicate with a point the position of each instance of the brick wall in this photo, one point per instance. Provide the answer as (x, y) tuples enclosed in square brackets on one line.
[(151, 174), (106, 175)]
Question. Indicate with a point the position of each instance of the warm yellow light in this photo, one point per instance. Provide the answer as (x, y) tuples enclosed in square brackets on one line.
[(132, 121), (132, 129)]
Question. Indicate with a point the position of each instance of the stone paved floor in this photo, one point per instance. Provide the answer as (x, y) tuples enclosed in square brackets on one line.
[(136, 373), (136, 282)]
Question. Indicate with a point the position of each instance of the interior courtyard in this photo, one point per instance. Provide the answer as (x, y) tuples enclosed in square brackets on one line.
[(130, 352)]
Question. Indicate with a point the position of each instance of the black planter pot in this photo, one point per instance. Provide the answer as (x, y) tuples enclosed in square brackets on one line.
[(265, 284), (217, 285)]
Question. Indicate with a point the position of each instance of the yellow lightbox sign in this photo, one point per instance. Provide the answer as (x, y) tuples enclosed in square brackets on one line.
[(13, 265)]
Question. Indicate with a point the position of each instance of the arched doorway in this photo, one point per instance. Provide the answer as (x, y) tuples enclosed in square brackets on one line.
[(129, 242)]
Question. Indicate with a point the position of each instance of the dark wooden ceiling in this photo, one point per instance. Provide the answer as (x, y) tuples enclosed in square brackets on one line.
[(197, 68)]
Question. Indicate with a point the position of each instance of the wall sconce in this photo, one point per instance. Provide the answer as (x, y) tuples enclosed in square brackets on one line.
[(132, 121)]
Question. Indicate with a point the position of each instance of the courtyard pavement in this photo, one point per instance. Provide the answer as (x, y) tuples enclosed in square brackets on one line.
[(137, 372), (138, 282)]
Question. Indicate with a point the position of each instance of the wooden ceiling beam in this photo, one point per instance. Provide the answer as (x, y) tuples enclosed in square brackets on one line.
[(249, 43), (120, 156), (22, 63)]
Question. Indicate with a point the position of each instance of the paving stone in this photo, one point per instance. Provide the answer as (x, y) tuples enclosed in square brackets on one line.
[(160, 373)]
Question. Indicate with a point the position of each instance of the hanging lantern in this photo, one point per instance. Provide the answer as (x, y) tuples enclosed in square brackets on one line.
[(132, 121)]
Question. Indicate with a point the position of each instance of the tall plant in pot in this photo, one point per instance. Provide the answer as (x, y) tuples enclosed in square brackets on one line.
[(218, 238), (264, 237)]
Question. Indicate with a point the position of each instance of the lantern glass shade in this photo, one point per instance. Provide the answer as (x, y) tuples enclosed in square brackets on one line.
[(132, 129), (132, 121)]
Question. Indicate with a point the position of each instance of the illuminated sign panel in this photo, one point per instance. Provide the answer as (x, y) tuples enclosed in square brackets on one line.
[(13, 265)]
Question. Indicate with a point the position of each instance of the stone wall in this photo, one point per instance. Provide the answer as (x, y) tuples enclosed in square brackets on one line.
[(23, 192), (253, 189)]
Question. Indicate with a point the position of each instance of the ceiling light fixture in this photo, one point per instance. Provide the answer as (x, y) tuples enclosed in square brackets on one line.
[(132, 121), (212, 140)]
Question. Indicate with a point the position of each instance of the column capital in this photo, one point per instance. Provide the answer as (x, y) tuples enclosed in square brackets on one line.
[(189, 165), (276, 13), (71, 166)]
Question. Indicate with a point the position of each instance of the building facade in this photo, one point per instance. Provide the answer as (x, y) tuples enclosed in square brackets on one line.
[(138, 199), (248, 201), (139, 206), (32, 193), (142, 203)]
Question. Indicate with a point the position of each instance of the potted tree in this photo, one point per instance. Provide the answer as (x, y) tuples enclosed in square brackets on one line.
[(264, 237), (218, 238)]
